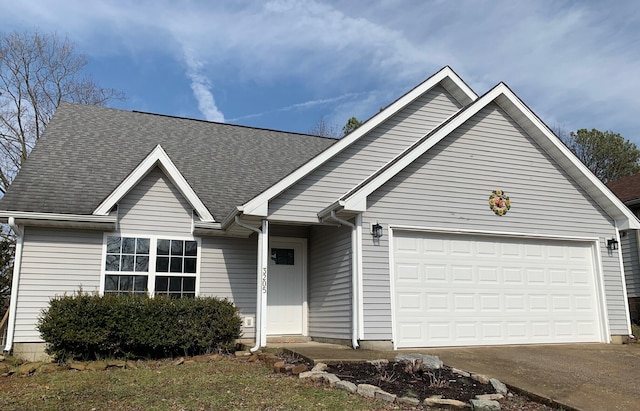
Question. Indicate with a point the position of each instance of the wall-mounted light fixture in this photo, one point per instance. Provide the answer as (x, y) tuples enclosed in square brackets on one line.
[(376, 230), (612, 244)]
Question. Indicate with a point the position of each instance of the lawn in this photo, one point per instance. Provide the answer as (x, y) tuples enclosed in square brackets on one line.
[(225, 384)]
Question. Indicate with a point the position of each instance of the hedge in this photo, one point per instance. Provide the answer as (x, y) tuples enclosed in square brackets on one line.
[(87, 326)]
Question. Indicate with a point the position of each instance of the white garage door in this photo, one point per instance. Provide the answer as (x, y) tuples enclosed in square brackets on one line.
[(455, 290)]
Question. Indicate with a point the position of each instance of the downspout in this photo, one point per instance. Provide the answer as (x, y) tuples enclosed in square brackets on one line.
[(354, 277), (17, 262), (258, 284)]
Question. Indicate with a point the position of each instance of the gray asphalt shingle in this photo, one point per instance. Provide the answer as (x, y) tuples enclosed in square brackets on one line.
[(87, 151)]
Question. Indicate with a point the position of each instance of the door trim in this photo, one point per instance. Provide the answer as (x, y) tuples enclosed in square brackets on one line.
[(302, 242)]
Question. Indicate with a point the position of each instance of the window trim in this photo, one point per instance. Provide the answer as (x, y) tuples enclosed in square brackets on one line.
[(153, 250)]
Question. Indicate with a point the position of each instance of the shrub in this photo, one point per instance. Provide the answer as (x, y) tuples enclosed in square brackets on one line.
[(87, 326)]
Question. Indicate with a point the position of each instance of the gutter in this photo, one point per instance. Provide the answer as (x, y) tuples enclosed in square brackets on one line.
[(354, 276), (259, 298), (17, 262)]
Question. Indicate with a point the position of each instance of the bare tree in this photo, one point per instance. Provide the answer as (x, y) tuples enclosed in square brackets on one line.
[(323, 128), (37, 71)]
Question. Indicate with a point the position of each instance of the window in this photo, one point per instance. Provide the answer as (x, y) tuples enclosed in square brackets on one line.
[(282, 256), (134, 264)]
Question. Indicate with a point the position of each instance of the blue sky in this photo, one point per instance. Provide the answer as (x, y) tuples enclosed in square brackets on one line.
[(285, 64)]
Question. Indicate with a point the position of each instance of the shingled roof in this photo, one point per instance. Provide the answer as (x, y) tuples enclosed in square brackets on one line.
[(627, 189), (87, 151)]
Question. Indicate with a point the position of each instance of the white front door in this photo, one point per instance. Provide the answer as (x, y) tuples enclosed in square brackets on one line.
[(286, 287)]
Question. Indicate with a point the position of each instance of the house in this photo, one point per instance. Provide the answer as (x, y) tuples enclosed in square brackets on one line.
[(628, 191), (447, 219)]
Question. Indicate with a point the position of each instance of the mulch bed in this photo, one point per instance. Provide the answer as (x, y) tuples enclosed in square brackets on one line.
[(393, 378)]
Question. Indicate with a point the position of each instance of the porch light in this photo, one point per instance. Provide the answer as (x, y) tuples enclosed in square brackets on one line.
[(612, 244), (376, 230)]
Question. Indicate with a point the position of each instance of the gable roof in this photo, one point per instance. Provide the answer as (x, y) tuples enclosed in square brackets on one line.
[(355, 200), (157, 158), (446, 77), (87, 152), (627, 189)]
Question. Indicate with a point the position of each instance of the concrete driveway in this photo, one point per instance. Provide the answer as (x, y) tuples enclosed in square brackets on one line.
[(582, 376)]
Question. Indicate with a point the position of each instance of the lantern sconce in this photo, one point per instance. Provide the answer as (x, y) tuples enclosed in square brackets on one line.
[(376, 230), (612, 244)]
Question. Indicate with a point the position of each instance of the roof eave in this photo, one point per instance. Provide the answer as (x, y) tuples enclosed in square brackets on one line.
[(76, 221)]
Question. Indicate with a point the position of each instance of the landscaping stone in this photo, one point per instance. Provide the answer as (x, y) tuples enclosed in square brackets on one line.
[(80, 366), (116, 363), (494, 397), (131, 365), (278, 365), (431, 362), (330, 379), (414, 402), (101, 365), (320, 367), (269, 359), (485, 405), (252, 358), (4, 369), (461, 373), (27, 368), (2, 357), (385, 396), (309, 374), (367, 390), (242, 353), (300, 368), (445, 403), (346, 386), (51, 367), (482, 379), (378, 362), (189, 362), (179, 361), (287, 368), (498, 386)]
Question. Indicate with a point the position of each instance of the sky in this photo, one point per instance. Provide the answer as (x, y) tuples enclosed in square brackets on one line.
[(287, 65)]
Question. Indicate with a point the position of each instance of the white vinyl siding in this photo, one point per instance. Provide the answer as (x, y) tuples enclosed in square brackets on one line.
[(629, 248), (348, 168), (155, 206), (54, 262), (330, 282), (228, 270), (449, 186)]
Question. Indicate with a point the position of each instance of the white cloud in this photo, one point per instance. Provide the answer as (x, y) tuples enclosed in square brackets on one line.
[(201, 87)]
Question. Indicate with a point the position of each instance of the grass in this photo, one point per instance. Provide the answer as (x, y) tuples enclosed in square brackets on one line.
[(226, 384), (635, 330)]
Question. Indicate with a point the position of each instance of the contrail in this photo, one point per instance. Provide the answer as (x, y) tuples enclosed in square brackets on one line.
[(201, 87)]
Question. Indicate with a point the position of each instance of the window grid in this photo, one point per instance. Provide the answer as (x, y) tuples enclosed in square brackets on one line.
[(168, 264)]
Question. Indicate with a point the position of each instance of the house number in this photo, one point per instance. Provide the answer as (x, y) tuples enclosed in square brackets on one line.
[(264, 279)]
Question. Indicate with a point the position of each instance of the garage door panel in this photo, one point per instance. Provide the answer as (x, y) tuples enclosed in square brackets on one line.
[(455, 289)]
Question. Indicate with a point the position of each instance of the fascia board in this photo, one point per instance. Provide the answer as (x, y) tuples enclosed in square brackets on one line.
[(259, 205), (157, 157)]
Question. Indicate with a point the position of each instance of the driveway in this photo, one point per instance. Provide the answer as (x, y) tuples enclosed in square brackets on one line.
[(582, 376)]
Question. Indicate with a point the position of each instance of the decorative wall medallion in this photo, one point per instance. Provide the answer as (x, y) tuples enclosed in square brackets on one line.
[(499, 202)]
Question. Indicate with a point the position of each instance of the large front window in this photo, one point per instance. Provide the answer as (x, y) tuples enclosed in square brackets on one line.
[(159, 266)]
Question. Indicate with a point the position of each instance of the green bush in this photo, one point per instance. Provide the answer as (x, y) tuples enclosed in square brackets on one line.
[(87, 326)]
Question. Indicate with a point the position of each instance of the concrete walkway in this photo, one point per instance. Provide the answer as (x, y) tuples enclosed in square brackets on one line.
[(580, 376)]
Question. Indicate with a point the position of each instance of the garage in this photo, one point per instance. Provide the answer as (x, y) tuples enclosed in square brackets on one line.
[(463, 289)]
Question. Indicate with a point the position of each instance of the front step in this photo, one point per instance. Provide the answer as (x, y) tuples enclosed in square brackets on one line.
[(286, 339)]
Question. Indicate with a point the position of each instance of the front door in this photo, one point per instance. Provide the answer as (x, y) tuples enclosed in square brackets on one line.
[(286, 287)]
